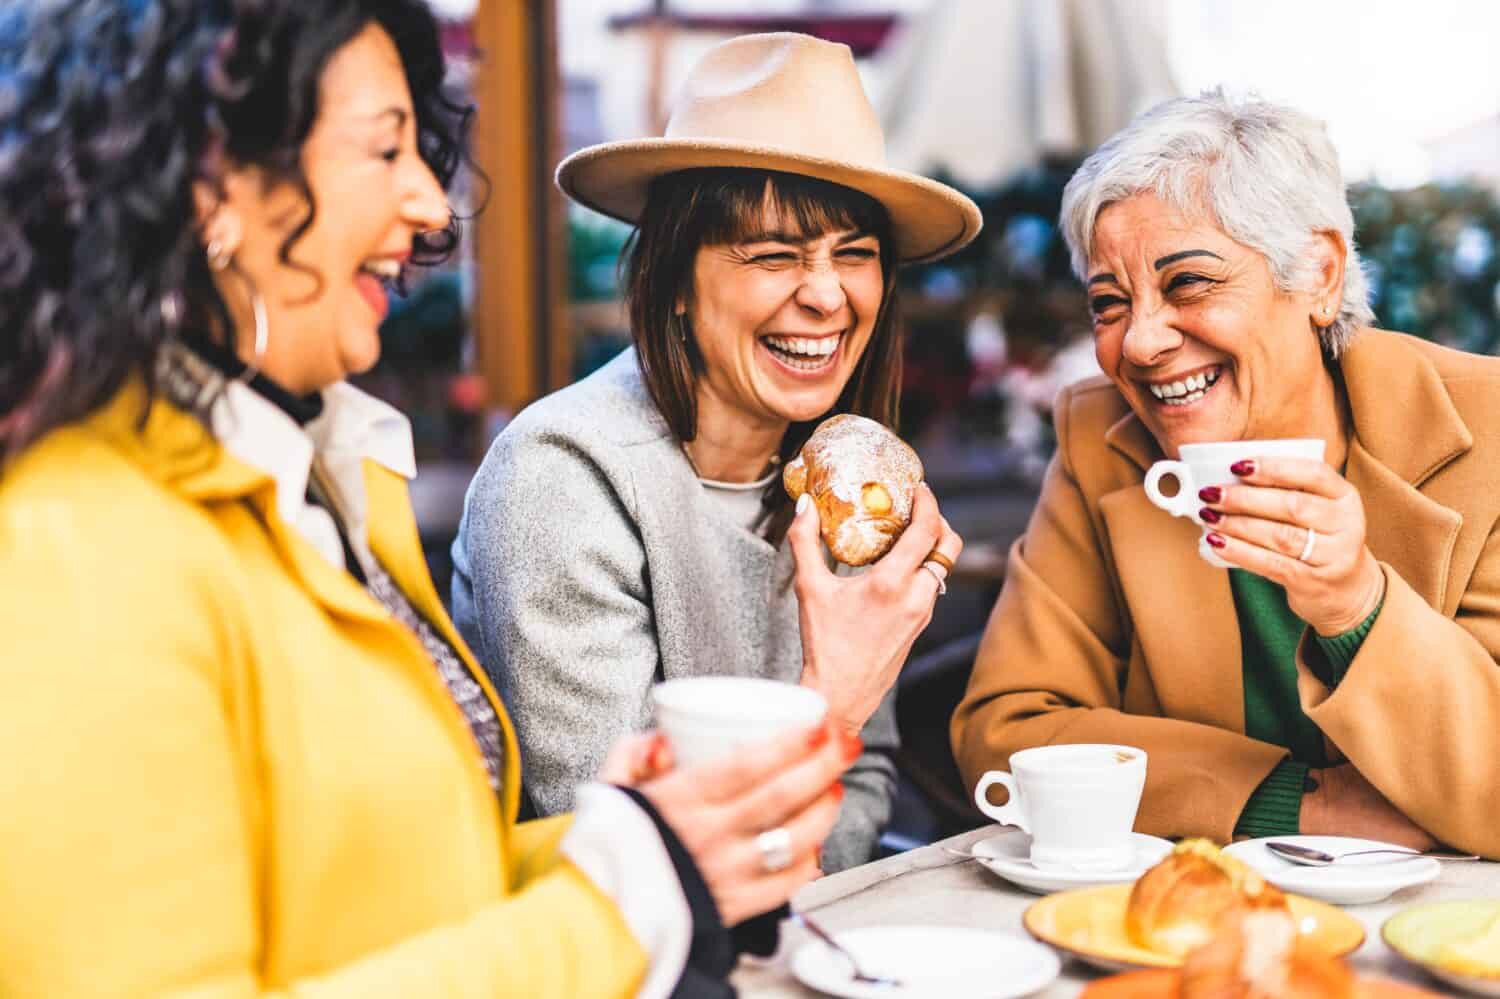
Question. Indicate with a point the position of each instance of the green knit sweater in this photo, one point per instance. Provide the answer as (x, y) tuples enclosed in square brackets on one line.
[(1269, 634)]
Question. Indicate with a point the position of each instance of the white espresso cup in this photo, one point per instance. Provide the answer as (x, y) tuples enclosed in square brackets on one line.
[(709, 717), (1078, 803), (1202, 465)]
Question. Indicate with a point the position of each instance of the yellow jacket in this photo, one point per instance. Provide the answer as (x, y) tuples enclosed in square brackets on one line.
[(1112, 629), (226, 771)]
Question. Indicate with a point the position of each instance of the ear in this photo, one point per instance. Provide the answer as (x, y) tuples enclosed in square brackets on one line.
[(219, 221), (1330, 252)]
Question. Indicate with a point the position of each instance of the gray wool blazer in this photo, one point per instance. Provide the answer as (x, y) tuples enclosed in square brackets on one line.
[(591, 563)]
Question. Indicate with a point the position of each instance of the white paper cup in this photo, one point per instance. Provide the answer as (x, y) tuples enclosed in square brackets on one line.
[(709, 717)]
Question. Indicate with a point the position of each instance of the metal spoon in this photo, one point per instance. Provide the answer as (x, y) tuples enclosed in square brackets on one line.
[(827, 938), (1309, 857)]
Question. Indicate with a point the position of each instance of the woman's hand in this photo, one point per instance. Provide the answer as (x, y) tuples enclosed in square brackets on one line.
[(635, 759), (1345, 804), (720, 809), (857, 630), (1261, 523)]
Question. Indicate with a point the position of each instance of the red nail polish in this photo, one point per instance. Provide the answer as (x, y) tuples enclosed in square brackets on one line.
[(817, 736), (837, 791), (1209, 516), (1215, 540), (1210, 494), (1243, 468), (852, 745)]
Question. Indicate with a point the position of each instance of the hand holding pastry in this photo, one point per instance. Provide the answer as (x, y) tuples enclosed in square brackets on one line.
[(857, 630)]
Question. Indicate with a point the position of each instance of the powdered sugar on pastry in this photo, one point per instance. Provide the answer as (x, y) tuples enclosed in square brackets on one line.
[(863, 479)]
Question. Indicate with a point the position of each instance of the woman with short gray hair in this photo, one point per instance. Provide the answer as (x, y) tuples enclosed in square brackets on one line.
[(1340, 676)]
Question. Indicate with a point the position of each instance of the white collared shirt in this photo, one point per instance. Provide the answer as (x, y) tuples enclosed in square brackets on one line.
[(353, 426)]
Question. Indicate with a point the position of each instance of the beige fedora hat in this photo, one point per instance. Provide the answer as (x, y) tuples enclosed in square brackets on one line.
[(780, 101)]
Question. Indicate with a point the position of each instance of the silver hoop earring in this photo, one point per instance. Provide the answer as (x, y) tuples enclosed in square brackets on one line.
[(262, 326)]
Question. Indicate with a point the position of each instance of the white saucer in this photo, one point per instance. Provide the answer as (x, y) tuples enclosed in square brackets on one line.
[(931, 961), (1349, 882), (1008, 855)]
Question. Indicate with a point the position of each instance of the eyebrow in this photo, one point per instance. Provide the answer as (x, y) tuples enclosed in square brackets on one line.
[(797, 239), (400, 113), (1097, 278), (1172, 258)]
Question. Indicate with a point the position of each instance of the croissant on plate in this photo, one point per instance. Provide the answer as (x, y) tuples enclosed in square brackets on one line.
[(1177, 905)]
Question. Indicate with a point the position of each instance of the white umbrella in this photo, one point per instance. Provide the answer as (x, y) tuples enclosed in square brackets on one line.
[(981, 89)]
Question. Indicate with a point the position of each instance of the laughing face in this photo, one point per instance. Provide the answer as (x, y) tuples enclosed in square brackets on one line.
[(1191, 328), (373, 194), (782, 318)]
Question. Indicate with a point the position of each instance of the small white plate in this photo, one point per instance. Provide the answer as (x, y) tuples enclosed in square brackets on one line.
[(1355, 881), (1009, 855), (950, 962)]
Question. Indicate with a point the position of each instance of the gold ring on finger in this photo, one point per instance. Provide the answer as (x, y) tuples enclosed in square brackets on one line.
[(938, 573), (940, 559)]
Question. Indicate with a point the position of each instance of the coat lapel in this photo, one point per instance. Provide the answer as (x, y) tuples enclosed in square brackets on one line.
[(1395, 390), (1182, 609), (395, 541)]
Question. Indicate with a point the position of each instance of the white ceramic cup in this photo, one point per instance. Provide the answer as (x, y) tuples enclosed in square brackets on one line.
[(709, 717), (1202, 465), (1078, 803)]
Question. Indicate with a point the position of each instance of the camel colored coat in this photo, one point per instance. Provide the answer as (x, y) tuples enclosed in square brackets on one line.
[(1110, 628)]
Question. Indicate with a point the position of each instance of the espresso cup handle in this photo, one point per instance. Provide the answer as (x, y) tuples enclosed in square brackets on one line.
[(1008, 814), (1186, 501)]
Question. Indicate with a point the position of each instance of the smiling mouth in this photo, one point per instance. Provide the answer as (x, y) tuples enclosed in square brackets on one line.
[(804, 353), (1185, 391)]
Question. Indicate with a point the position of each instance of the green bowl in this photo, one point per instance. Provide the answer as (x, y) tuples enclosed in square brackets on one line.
[(1420, 933)]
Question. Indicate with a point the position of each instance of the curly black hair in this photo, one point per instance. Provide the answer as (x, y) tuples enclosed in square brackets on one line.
[(110, 112)]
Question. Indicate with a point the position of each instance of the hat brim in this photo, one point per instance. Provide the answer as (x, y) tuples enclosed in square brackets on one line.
[(930, 220)]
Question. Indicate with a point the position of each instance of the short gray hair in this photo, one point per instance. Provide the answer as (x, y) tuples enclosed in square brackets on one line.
[(1267, 174)]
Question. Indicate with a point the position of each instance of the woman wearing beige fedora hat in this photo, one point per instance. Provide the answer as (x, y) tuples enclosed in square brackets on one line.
[(632, 527)]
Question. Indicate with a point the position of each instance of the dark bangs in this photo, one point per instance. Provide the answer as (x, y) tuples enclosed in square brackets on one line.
[(733, 204)]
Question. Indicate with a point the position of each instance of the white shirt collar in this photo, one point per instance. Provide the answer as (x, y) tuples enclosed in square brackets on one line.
[(353, 426)]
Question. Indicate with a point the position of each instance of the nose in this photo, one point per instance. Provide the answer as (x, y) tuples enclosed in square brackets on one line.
[(424, 205), (1148, 338), (821, 289)]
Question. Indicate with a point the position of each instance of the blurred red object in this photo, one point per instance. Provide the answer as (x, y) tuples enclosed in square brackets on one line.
[(466, 393)]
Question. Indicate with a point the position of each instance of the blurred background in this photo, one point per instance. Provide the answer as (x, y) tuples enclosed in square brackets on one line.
[(1001, 98)]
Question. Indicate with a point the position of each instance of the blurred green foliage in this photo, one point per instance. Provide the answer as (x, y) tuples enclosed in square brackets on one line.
[(1430, 253)]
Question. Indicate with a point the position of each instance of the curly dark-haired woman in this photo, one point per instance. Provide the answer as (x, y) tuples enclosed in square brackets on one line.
[(246, 751)]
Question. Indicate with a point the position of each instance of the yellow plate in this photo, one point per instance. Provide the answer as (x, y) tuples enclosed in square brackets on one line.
[(1420, 932), (1162, 983), (1089, 923)]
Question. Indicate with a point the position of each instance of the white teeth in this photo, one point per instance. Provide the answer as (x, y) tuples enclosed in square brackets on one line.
[(386, 268), (807, 346), (1186, 390), (805, 353), (1184, 400)]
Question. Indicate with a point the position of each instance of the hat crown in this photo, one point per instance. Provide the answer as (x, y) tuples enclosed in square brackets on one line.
[(782, 91)]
